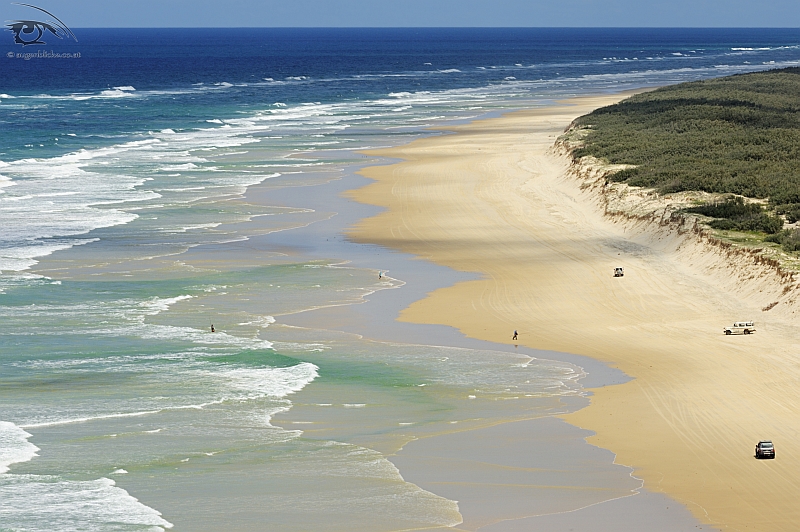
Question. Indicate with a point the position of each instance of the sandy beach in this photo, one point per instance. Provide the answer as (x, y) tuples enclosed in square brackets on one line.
[(496, 199)]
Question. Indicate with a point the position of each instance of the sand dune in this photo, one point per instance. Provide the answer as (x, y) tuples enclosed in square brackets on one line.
[(496, 198)]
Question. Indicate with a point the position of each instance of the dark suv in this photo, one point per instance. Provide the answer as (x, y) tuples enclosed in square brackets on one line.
[(765, 449)]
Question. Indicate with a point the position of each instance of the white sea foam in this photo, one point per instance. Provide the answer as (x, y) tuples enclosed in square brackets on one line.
[(195, 227), (45, 503), (177, 167), (64, 195), (57, 198), (14, 446), (23, 257), (5, 182), (197, 336), (270, 382), (115, 93), (261, 321), (157, 305), (69, 420), (229, 394), (221, 384)]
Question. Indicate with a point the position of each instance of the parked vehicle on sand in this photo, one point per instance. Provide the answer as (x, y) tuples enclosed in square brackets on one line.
[(765, 449), (618, 272), (740, 327)]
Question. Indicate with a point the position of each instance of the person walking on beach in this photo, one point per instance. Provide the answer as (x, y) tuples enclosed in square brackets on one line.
[(515, 335)]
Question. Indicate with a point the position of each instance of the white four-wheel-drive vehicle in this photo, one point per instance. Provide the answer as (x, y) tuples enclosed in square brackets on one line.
[(740, 327), (619, 272)]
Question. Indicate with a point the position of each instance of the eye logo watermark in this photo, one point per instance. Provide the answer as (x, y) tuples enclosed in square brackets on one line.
[(27, 32)]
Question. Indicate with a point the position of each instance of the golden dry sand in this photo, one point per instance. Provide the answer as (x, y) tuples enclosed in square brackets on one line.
[(495, 198)]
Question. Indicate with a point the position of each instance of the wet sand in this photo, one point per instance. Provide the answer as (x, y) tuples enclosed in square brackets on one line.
[(494, 199)]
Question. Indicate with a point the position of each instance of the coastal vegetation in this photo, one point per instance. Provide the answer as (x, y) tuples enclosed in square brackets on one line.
[(736, 136), (735, 214)]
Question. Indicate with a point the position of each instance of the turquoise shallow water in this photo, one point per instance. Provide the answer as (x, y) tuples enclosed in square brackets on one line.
[(143, 399), (110, 392), (137, 212)]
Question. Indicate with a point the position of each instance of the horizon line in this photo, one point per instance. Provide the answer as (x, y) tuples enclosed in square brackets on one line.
[(450, 27)]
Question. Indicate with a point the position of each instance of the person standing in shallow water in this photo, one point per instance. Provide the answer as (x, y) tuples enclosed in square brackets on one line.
[(515, 335), (212, 328)]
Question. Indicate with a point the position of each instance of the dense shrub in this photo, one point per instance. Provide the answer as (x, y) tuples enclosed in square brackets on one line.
[(792, 241), (730, 208), (735, 214), (791, 210), (763, 223), (776, 237), (789, 240), (738, 134), (623, 175)]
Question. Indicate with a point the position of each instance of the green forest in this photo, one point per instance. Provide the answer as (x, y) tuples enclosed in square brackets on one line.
[(733, 135)]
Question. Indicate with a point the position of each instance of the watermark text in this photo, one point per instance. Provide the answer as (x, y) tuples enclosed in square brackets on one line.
[(42, 54)]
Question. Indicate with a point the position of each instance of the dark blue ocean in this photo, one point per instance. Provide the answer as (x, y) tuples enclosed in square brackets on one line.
[(184, 75), (125, 165)]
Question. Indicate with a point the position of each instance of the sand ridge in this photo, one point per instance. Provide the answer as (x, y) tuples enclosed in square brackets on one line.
[(495, 198)]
